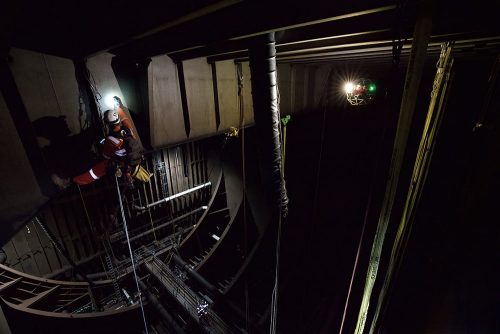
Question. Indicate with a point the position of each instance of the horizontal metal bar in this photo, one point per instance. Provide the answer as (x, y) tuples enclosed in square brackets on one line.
[(165, 224), (166, 199)]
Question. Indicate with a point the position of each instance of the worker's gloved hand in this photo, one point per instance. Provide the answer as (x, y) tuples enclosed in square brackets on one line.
[(61, 183)]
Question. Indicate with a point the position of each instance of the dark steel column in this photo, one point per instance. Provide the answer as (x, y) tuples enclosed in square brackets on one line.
[(200, 279)]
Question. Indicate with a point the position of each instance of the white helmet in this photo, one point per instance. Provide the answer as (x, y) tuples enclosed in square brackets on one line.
[(111, 117)]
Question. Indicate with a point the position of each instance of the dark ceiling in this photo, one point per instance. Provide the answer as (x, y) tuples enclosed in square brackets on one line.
[(221, 29)]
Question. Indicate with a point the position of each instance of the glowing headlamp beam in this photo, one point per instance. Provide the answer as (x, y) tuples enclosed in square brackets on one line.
[(111, 102)]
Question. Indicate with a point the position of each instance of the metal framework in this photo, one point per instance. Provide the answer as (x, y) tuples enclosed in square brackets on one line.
[(37, 294)]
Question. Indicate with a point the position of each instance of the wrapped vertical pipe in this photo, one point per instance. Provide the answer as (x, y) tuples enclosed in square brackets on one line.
[(266, 113)]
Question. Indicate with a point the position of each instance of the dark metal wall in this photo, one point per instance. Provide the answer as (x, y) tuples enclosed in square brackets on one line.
[(51, 100), (184, 104)]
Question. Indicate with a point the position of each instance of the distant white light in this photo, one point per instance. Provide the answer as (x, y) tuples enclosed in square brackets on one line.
[(215, 237), (348, 87), (204, 207), (360, 91)]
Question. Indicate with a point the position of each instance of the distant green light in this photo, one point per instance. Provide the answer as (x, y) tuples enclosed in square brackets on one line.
[(372, 87)]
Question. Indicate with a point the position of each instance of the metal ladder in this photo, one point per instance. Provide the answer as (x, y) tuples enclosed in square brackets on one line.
[(112, 270), (162, 170)]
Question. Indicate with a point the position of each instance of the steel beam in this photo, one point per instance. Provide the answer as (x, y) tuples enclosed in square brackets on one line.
[(167, 199), (413, 76), (319, 13)]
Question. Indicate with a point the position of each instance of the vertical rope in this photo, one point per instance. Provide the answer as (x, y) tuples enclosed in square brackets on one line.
[(131, 255), (52, 83), (243, 171), (355, 267), (324, 103), (274, 299)]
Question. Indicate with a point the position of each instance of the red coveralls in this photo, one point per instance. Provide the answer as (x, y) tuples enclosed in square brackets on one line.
[(112, 150)]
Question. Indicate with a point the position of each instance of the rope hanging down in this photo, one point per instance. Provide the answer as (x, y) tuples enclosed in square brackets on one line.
[(274, 299), (131, 254), (368, 209), (243, 172)]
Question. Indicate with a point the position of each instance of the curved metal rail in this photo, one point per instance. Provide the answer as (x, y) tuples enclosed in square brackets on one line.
[(55, 298)]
